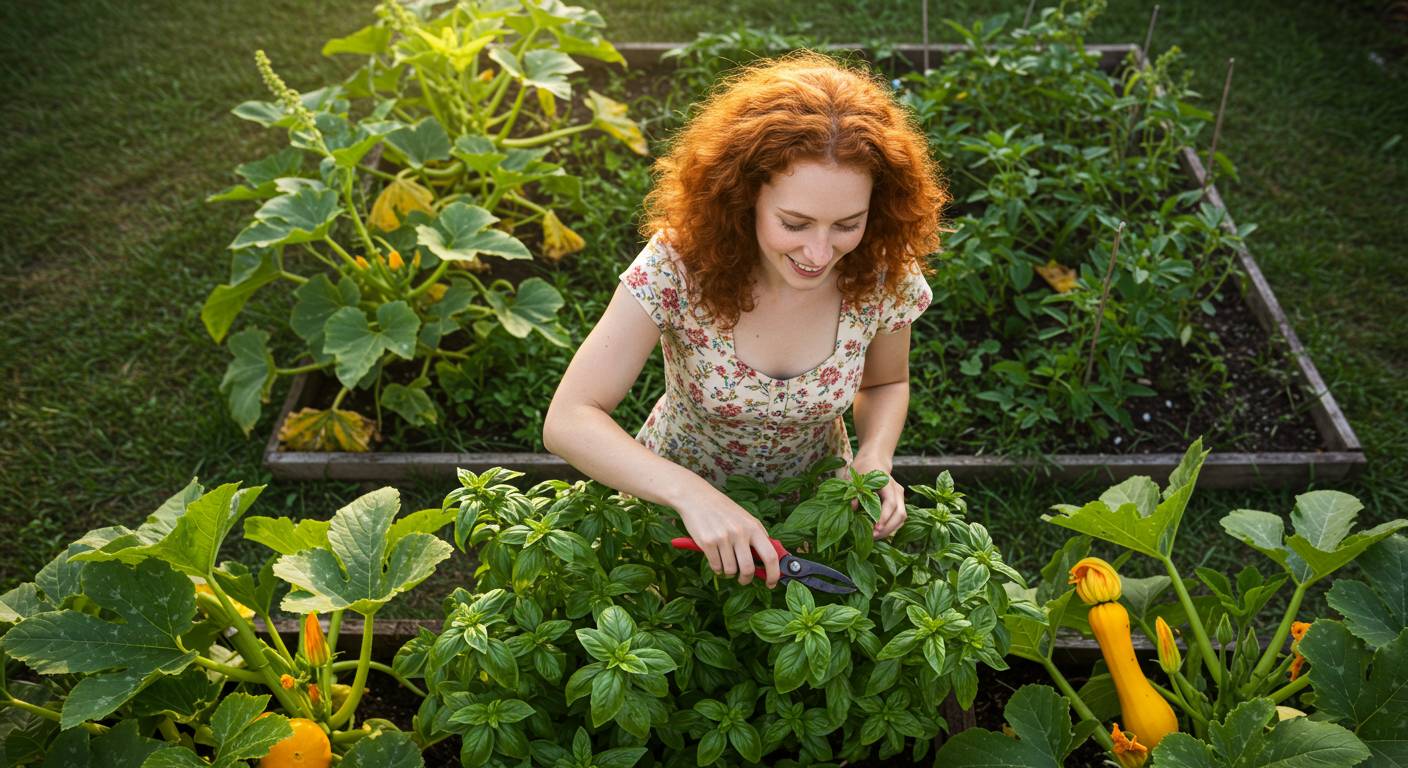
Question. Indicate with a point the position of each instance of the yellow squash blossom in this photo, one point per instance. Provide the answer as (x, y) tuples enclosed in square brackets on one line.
[(1096, 581), (315, 646), (1128, 751), (394, 260), (1169, 657)]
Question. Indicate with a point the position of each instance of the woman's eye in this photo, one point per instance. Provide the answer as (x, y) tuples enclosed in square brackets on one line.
[(848, 228), (793, 227)]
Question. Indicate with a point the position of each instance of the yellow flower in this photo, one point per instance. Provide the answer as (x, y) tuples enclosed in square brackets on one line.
[(1169, 657), (1298, 630), (437, 292), (1297, 664), (394, 260), (1128, 751), (1096, 581), (287, 682), (362, 263), (486, 75), (558, 240), (315, 646), (313, 693)]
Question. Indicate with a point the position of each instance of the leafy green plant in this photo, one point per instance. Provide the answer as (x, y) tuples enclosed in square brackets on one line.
[(1048, 155), (1227, 686), (585, 630), (140, 633), (425, 162)]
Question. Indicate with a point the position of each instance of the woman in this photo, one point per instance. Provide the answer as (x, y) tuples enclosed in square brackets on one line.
[(789, 229)]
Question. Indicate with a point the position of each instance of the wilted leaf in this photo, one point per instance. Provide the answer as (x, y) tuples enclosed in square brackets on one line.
[(558, 240), (399, 197), (1060, 277), (611, 118), (312, 429)]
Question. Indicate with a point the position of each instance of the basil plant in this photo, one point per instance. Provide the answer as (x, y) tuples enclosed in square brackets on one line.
[(586, 637)]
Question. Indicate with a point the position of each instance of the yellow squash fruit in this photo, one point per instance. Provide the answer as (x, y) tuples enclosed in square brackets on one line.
[(1147, 715), (308, 747)]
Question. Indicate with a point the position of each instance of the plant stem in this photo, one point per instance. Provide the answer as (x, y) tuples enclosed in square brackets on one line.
[(168, 730), (1290, 689), (1077, 703), (274, 633), (429, 281), (49, 714), (1199, 633), (250, 647), (544, 138), (359, 682), (1100, 309), (1217, 126), (234, 673), (309, 368), (1273, 649), (342, 666)]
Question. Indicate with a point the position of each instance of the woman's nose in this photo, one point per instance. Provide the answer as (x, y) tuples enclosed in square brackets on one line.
[(818, 250)]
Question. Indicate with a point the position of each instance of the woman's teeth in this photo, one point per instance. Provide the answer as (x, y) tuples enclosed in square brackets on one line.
[(800, 268)]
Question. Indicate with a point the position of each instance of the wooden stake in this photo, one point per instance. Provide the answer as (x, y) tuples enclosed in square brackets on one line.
[(1027, 20), (1217, 127), (1104, 294), (924, 24), (1149, 36)]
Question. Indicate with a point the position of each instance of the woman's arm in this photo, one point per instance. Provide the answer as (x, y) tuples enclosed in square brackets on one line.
[(880, 408), (579, 428)]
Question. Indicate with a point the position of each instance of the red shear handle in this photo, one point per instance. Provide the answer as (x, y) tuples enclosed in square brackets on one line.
[(684, 542)]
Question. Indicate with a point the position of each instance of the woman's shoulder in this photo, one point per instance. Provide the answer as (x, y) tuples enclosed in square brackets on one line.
[(656, 279)]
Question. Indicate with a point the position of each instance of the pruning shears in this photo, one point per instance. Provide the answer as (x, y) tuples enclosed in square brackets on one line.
[(815, 575)]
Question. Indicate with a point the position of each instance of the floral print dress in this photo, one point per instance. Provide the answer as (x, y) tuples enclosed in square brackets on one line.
[(719, 416)]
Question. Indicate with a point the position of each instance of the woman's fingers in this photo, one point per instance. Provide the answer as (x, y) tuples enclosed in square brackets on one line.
[(745, 562), (772, 569), (727, 560)]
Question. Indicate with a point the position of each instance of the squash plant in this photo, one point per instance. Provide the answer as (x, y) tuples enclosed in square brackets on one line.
[(586, 632), (400, 188), (145, 645), (1047, 154), (1230, 683)]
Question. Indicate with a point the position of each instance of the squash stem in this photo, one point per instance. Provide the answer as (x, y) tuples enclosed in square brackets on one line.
[(1290, 689), (1077, 703), (378, 666), (234, 673), (359, 682), (49, 714), (1219, 675), (1273, 649), (251, 649)]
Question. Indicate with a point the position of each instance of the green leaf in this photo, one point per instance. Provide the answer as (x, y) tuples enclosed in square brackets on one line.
[(384, 749), (184, 697), (1139, 491), (1323, 518), (791, 667), (241, 734), (1370, 696), (1180, 750), (533, 307), (1304, 743), (461, 233), (358, 348), (193, 542), (1376, 612), (608, 694), (286, 537), (410, 403), (249, 377), (1238, 737), (298, 217), (357, 571), (21, 603), (317, 300), (1322, 563), (1042, 719), (225, 302), (155, 605), (422, 143), (1140, 594), (122, 746), (746, 742), (367, 41), (547, 69)]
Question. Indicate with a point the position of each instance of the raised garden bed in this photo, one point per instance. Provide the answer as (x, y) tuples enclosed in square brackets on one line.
[(1337, 456)]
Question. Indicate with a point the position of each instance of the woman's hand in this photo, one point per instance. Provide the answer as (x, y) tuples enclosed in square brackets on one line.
[(729, 537), (892, 511)]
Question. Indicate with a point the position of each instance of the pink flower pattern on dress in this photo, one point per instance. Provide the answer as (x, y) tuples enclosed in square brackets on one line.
[(719, 416)]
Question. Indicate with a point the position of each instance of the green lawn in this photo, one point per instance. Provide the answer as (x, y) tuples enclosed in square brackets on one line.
[(117, 124)]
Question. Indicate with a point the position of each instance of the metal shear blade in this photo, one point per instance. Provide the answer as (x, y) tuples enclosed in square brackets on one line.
[(816, 576)]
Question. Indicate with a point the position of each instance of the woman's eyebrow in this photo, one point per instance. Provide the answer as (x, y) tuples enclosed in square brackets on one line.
[(809, 218)]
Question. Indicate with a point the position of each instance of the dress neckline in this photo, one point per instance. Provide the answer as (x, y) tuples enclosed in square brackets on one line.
[(835, 349)]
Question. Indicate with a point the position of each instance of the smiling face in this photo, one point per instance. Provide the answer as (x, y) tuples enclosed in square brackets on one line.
[(808, 217)]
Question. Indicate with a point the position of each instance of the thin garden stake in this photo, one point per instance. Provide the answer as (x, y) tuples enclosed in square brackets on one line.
[(1104, 294), (1027, 20), (924, 25), (1217, 127), (1149, 36)]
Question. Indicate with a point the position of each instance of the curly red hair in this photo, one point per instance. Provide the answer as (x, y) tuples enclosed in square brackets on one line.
[(757, 123)]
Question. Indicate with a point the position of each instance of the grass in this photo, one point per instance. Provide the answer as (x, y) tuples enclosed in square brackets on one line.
[(118, 122)]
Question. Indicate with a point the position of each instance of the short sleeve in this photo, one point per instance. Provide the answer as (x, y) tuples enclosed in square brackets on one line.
[(653, 278), (914, 297)]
